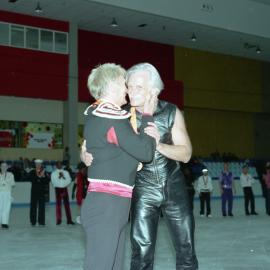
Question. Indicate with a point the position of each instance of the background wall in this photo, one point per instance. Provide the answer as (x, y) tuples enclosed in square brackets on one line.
[(225, 131), (226, 98), (96, 48), (262, 120), (34, 110), (34, 84), (31, 73), (222, 95)]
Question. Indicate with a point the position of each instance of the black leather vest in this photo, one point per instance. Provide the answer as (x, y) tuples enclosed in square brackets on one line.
[(160, 169)]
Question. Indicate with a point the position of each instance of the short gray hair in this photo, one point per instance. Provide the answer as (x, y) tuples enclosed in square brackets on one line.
[(100, 76), (155, 79)]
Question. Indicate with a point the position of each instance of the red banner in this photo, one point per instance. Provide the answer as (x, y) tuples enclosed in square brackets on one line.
[(6, 137)]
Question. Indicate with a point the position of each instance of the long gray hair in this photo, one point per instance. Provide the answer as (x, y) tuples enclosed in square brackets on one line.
[(155, 79)]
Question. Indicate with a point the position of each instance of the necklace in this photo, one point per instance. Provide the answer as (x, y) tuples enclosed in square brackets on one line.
[(205, 180)]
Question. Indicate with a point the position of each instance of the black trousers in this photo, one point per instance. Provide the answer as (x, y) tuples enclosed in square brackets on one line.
[(37, 204), (148, 200), (205, 200), (249, 200), (191, 194), (267, 201), (104, 218)]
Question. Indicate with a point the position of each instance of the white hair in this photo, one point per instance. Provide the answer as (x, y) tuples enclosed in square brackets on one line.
[(155, 79), (101, 76)]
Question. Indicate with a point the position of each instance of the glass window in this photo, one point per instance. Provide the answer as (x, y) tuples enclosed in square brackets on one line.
[(60, 42), (17, 36), (46, 40), (4, 33), (32, 38)]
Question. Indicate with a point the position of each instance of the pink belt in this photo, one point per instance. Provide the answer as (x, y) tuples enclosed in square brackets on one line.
[(111, 187)]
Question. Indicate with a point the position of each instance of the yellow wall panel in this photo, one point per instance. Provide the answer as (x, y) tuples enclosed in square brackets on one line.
[(224, 131), (219, 81), (232, 101), (222, 95)]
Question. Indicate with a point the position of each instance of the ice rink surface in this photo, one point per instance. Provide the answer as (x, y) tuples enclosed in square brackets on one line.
[(232, 243)]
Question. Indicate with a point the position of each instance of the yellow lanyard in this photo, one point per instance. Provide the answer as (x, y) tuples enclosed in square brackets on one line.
[(133, 119)]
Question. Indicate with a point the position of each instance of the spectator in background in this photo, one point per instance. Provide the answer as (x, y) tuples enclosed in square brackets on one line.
[(17, 170), (216, 156), (205, 188), (70, 171), (39, 179), (266, 178), (27, 165), (197, 166), (26, 169), (80, 186), (246, 181), (6, 184), (61, 179), (226, 188), (189, 180)]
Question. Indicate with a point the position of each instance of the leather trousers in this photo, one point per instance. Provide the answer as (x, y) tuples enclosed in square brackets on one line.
[(148, 200)]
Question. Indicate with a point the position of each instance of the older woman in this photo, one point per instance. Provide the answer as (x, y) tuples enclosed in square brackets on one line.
[(116, 149)]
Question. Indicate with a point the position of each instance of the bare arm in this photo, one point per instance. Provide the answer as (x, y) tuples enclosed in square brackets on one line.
[(86, 157), (181, 149)]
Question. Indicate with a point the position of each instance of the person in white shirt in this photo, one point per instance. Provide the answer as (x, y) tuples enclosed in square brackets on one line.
[(247, 181), (6, 184), (60, 180), (204, 188)]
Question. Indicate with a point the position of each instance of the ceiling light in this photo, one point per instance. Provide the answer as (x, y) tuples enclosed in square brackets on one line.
[(193, 38), (252, 46), (142, 25), (38, 9), (114, 23), (258, 50)]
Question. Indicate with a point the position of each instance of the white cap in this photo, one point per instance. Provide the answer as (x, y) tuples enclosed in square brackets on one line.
[(38, 160), (204, 170)]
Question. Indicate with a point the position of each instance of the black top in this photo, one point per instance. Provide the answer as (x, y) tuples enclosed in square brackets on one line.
[(115, 147), (38, 183)]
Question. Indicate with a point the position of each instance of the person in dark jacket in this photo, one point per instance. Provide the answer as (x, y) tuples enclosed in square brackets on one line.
[(80, 188), (189, 180), (117, 150), (40, 180)]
